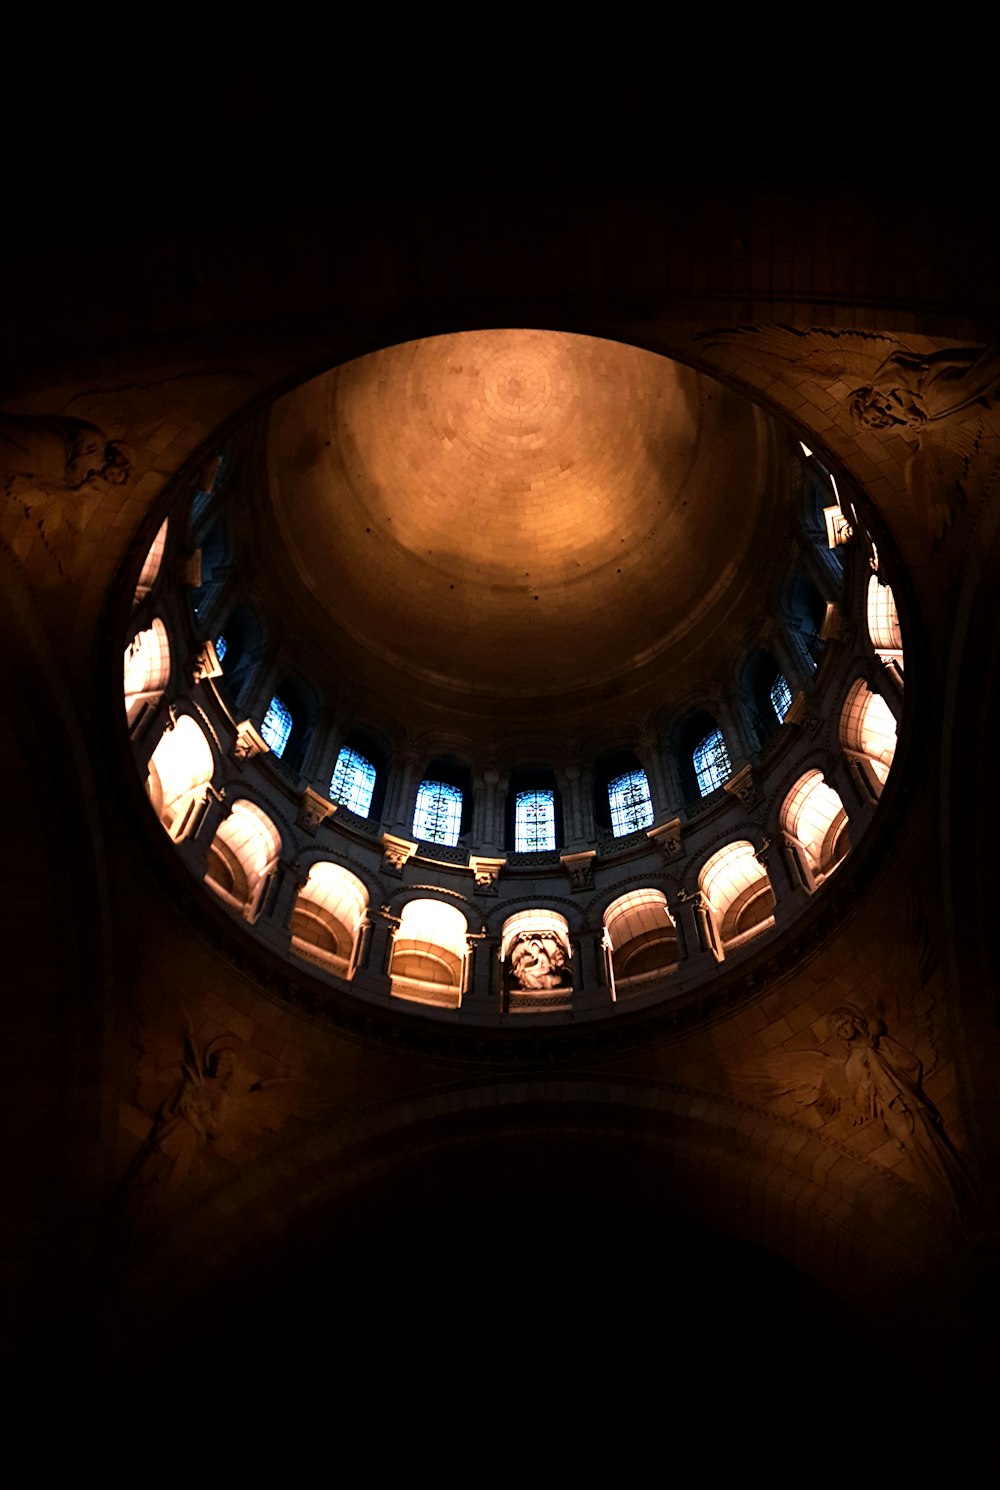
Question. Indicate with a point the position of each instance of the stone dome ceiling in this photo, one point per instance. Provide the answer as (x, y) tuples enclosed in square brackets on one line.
[(490, 518)]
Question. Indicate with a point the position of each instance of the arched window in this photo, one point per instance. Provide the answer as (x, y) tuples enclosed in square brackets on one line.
[(328, 914), (438, 814), (630, 803), (738, 892), (711, 763), (807, 611), (781, 697), (641, 938), (534, 821), (353, 782), (277, 725), (221, 646), (430, 954)]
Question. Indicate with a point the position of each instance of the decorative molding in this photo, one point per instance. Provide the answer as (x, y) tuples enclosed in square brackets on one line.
[(313, 810), (206, 664), (742, 786), (396, 854), (580, 868), (667, 837), (249, 741), (486, 872)]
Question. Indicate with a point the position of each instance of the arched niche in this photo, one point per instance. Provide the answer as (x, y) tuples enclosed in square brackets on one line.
[(242, 857), (640, 938), (147, 670), (327, 917), (536, 956), (180, 769), (815, 825), (868, 734), (739, 895), (151, 564), (429, 960)]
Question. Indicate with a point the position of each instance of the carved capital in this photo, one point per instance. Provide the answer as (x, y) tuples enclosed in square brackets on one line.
[(313, 810), (742, 786), (249, 741), (396, 854), (486, 872), (206, 664), (667, 837), (580, 868)]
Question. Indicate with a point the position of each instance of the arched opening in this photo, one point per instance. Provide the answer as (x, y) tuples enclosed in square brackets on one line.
[(739, 895), (622, 800), (536, 956), (147, 671), (443, 809), (767, 694), (883, 623), (242, 857), (703, 759), (534, 816), (641, 939), (180, 769), (815, 827), (152, 562), (868, 735), (361, 775), (327, 918), (430, 954)]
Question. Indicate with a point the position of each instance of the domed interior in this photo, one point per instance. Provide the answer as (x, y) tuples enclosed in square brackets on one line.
[(515, 527)]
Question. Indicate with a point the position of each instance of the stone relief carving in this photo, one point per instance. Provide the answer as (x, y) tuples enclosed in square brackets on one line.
[(213, 1106), (667, 837), (742, 786), (396, 854), (580, 868), (539, 960), (52, 454), (486, 873), (874, 1078), (933, 399), (249, 741), (313, 810)]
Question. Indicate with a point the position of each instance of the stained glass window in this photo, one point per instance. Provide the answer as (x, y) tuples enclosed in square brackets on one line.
[(277, 725), (220, 646), (631, 807), (353, 782), (534, 821), (711, 763), (438, 815), (781, 697)]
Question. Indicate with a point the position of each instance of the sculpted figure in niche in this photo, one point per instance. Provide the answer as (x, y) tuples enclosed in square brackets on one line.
[(52, 454), (539, 960)]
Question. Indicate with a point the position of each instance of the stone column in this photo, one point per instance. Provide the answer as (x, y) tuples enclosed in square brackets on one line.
[(651, 761), (402, 794)]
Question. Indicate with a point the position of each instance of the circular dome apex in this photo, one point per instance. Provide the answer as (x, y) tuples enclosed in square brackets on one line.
[(510, 514)]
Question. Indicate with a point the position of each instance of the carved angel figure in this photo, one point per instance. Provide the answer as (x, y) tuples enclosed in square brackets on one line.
[(53, 454), (213, 1106), (932, 398), (880, 1080)]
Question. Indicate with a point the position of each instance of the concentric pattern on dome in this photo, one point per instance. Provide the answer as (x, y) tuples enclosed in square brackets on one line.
[(515, 514)]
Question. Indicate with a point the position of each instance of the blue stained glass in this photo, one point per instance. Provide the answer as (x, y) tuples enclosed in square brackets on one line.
[(353, 782), (438, 815), (534, 822), (631, 807), (711, 763), (277, 725), (220, 646), (781, 697)]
